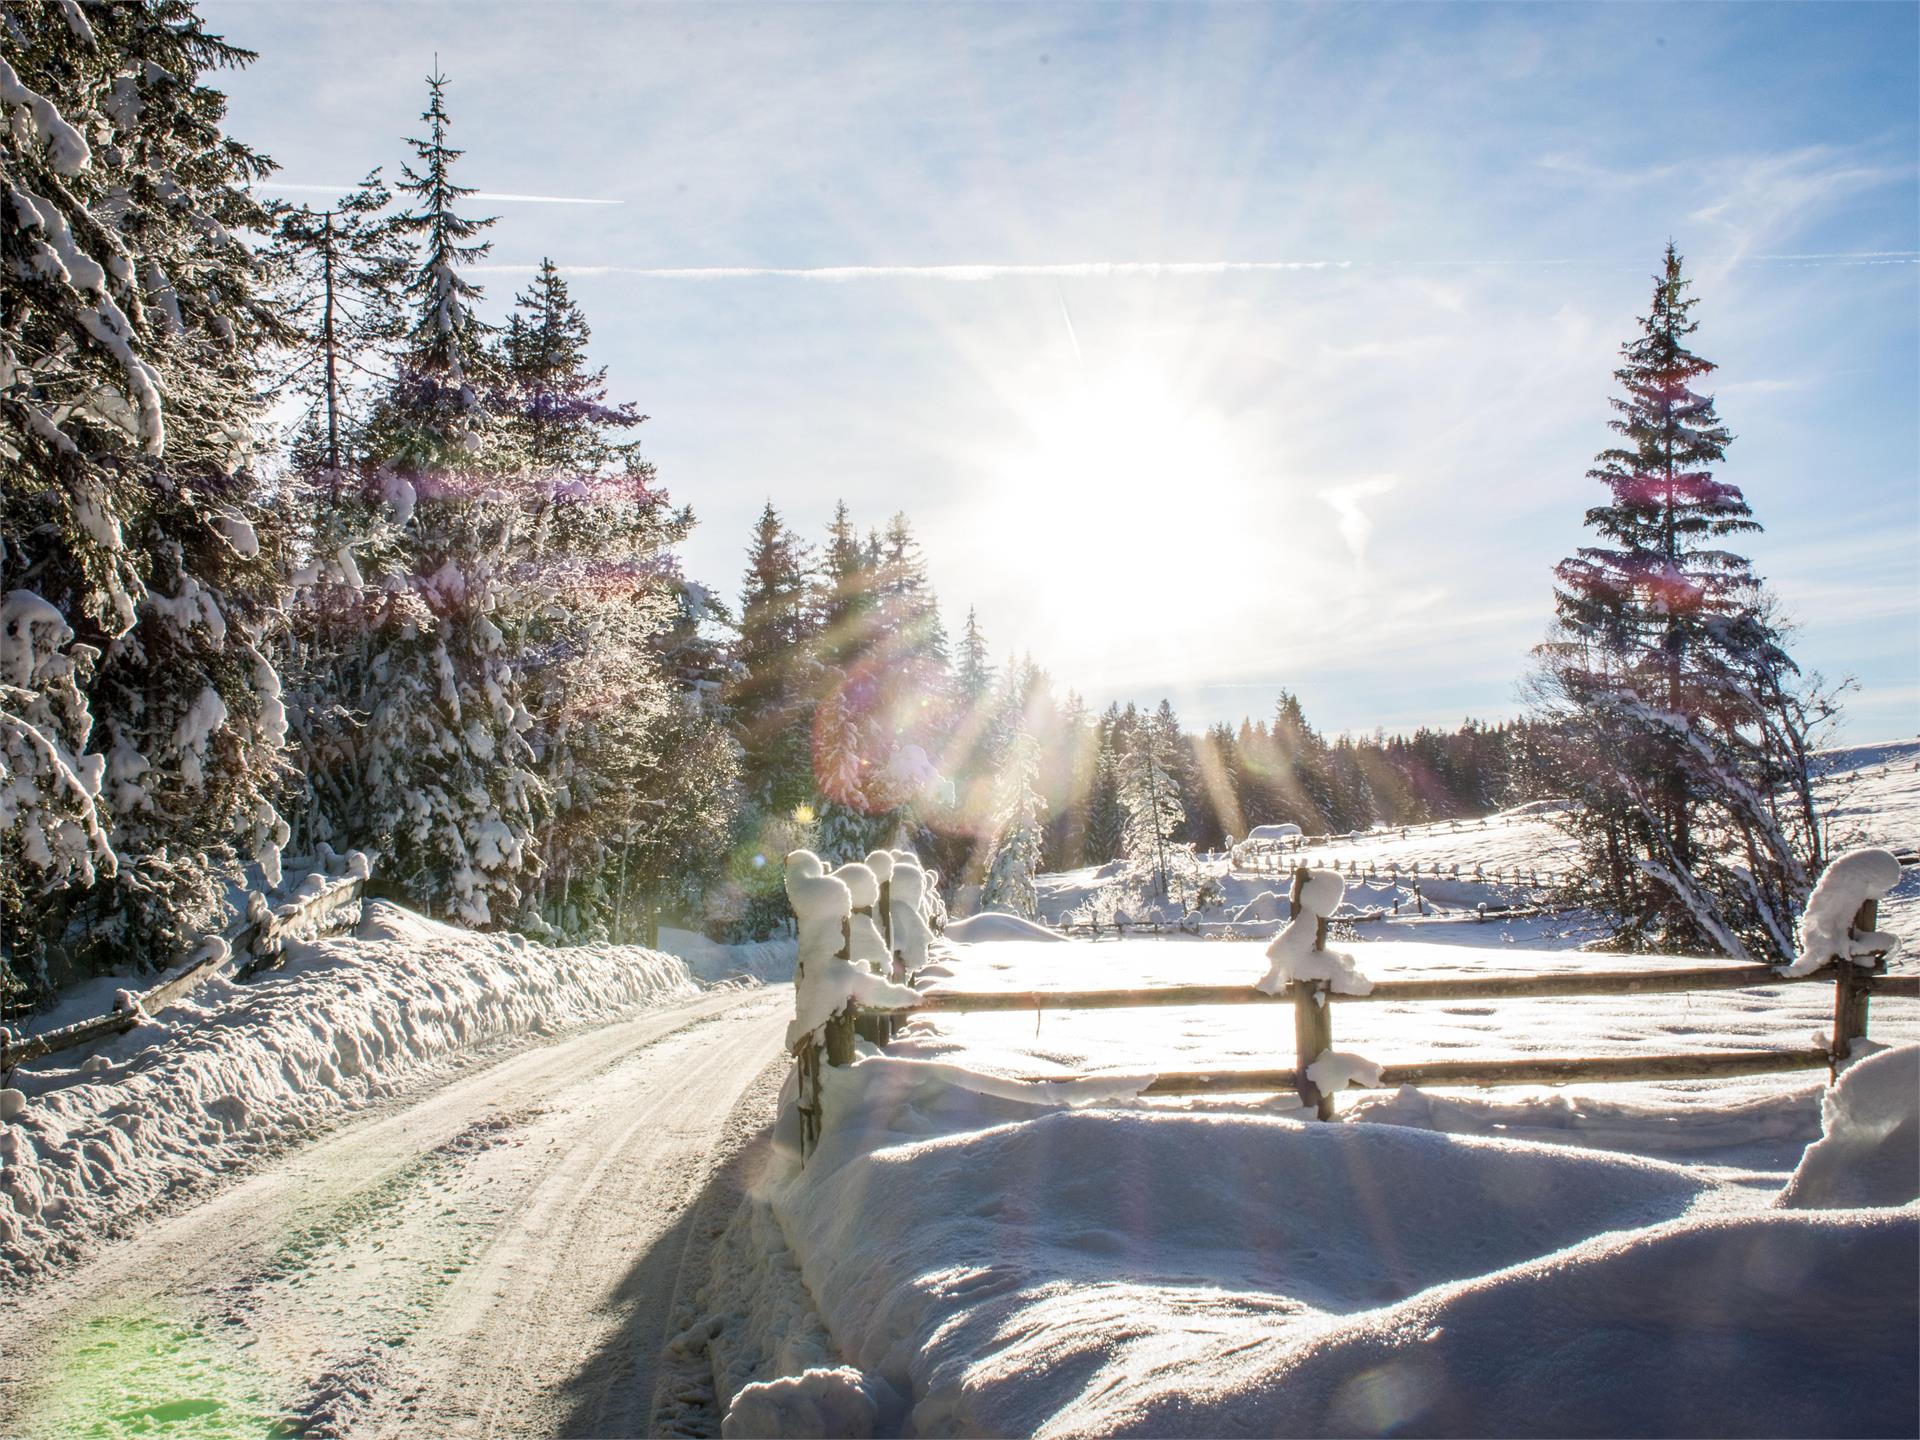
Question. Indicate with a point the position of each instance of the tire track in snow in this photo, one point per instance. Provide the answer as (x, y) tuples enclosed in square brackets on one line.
[(475, 1260)]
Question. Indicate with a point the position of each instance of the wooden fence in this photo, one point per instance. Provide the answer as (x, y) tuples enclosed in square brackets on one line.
[(1274, 862), (1313, 1002), (255, 944)]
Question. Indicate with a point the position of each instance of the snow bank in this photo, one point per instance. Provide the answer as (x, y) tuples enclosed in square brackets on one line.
[(1087, 1260), (1870, 1151), (1264, 907), (998, 925), (1291, 957), (231, 1071), (1760, 1325), (1826, 926), (712, 960), (1273, 832), (820, 1404)]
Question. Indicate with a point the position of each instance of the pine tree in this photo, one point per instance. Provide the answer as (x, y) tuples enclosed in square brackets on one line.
[(1155, 816), (140, 719), (1669, 672), (1019, 830), (973, 677), (845, 592), (556, 408), (447, 769), (343, 270), (772, 692)]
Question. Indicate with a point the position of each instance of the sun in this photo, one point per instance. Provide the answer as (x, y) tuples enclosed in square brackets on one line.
[(1122, 480)]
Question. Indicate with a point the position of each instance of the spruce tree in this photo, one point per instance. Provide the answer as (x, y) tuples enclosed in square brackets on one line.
[(447, 769), (140, 719), (1019, 833), (1666, 667), (343, 269), (772, 692), (1155, 816), (973, 675)]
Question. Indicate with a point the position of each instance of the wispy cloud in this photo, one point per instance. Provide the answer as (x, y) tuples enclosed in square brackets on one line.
[(1355, 525)]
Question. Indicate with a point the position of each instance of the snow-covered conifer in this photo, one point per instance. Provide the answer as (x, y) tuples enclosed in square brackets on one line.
[(1154, 814), (129, 371), (1019, 830), (1687, 716), (446, 765)]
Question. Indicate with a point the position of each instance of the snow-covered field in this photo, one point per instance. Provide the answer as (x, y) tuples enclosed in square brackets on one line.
[(1870, 794), (234, 1071), (968, 1253)]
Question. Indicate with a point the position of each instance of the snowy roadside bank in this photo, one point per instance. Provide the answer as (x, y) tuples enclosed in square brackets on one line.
[(231, 1072), (985, 1266)]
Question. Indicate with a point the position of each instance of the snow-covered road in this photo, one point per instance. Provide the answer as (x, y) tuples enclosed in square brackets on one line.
[(497, 1256)]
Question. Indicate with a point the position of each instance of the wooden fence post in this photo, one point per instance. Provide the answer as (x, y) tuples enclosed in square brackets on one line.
[(1312, 1011), (1850, 996), (809, 1062), (840, 1035), (1312, 1038)]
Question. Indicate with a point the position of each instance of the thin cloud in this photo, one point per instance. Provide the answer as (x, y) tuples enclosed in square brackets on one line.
[(1355, 525)]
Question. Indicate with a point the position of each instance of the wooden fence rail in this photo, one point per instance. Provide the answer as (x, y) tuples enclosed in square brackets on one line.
[(1313, 1002), (252, 945)]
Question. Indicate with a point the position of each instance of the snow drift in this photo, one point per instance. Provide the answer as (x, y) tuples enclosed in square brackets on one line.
[(998, 925), (1870, 1151), (231, 1071)]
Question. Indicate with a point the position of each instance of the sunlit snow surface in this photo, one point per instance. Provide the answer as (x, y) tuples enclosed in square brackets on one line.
[(1594, 1259)]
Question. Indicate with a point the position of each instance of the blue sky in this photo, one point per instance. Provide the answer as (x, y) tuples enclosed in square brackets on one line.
[(1346, 470)]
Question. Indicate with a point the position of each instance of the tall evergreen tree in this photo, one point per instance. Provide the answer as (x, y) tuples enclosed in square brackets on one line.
[(555, 408), (777, 677), (973, 674), (1667, 666), (1019, 834), (343, 270), (447, 766), (1155, 816), (140, 718)]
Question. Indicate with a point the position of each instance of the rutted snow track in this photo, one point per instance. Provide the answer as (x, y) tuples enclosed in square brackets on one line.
[(495, 1257)]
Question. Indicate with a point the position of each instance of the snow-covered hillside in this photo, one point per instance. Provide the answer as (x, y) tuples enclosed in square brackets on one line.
[(232, 1071), (1869, 793)]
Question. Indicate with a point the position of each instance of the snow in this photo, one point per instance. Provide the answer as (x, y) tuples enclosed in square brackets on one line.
[(865, 944), (231, 1071), (1869, 1151), (824, 1403), (912, 909), (1826, 926), (1337, 1069), (1292, 958), (824, 983), (1273, 832), (1704, 1256), (991, 925)]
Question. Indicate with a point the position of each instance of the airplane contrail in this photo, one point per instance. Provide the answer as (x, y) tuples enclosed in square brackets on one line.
[(1133, 269), (477, 195), (1081, 269)]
